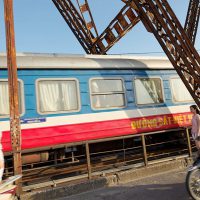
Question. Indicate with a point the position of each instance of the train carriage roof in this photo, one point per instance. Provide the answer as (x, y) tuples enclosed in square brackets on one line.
[(66, 61)]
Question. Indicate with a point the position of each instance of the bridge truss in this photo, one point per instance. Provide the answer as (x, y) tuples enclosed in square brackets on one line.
[(158, 18)]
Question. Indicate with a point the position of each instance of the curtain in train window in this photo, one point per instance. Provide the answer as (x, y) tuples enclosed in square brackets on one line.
[(58, 95), (179, 91), (107, 93), (4, 99), (148, 91)]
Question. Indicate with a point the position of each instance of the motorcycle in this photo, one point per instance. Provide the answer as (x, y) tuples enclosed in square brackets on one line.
[(8, 189), (193, 180)]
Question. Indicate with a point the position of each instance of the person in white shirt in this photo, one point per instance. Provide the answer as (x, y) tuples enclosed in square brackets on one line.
[(1, 159), (196, 127)]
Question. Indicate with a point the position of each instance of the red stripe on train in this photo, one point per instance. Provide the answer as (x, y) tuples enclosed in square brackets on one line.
[(54, 135)]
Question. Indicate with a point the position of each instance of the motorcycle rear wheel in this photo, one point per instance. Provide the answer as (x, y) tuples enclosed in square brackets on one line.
[(193, 183)]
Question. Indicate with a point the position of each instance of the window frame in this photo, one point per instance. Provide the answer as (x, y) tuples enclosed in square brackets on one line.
[(151, 77), (108, 78), (22, 97), (57, 79), (171, 90)]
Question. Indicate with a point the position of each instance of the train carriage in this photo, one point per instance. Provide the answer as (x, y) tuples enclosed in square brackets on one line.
[(71, 98)]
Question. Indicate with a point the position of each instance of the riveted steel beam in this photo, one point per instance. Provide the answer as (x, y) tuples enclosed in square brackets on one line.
[(192, 19), (77, 25), (15, 129), (165, 26), (125, 20), (88, 19)]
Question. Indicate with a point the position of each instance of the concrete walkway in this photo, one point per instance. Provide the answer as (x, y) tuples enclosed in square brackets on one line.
[(166, 186)]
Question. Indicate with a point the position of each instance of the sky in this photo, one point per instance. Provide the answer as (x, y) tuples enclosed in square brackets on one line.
[(39, 28)]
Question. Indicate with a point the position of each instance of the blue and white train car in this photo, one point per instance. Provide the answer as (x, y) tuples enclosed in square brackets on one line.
[(71, 98)]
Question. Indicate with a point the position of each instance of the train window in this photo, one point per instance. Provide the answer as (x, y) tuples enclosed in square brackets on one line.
[(179, 91), (4, 98), (148, 91), (107, 93), (57, 95)]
